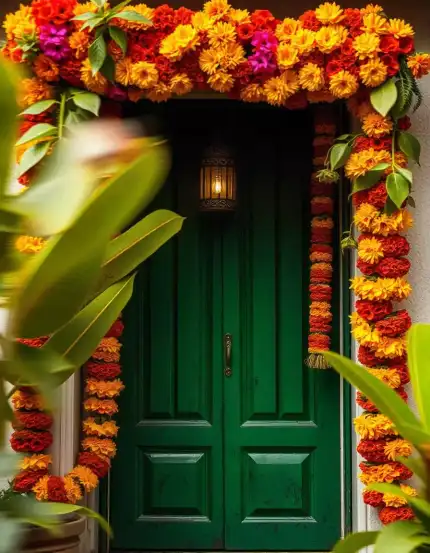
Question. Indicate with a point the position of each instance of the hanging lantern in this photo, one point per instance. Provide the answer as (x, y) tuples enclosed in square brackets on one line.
[(217, 180)]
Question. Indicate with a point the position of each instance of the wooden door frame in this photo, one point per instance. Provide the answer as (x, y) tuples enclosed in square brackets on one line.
[(341, 341)]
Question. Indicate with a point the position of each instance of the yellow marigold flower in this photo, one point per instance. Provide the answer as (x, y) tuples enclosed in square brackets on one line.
[(183, 39), (201, 21), (407, 221), (252, 93), (40, 489), (374, 23), (397, 448), (380, 289), (360, 163), (343, 84), (390, 377), (311, 77), (379, 473), (329, 13), (376, 125), (419, 64), (373, 73), (399, 28), (303, 40), (286, 55), (86, 477), (291, 80), (374, 427), (216, 8), (73, 490), (104, 389), (86, 7), (99, 446), (20, 25), (107, 429), (123, 71), (372, 8), (169, 47), (32, 91), (221, 34), (392, 500), (96, 83), (391, 347), (366, 45), (221, 81), (288, 27), (209, 61), (370, 250), (29, 244), (231, 55), (79, 41), (29, 402), (101, 406), (240, 17), (365, 335), (144, 74), (141, 9), (36, 462), (330, 38), (110, 344), (181, 84)]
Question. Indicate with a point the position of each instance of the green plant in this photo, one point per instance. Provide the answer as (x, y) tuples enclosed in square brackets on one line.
[(74, 289), (402, 536)]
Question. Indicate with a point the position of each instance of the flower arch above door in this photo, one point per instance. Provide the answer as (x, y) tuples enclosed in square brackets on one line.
[(79, 52)]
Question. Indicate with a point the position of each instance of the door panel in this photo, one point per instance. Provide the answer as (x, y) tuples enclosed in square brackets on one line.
[(281, 420)]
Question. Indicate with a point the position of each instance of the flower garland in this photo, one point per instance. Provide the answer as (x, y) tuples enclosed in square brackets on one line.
[(321, 251), (135, 52)]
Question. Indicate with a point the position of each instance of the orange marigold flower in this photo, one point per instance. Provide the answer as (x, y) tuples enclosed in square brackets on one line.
[(104, 388), (95, 83), (397, 448), (331, 37), (393, 500), (79, 42), (329, 13), (73, 490), (144, 74), (372, 8), (252, 93), (380, 473), (181, 84), (360, 163), (419, 64), (107, 429), (101, 406), (311, 77), (366, 45), (86, 477), (374, 23), (141, 9), (46, 69), (29, 244), (40, 489), (123, 72), (287, 29), (27, 401), (34, 90), (399, 28), (221, 81), (36, 462), (374, 427), (216, 9), (99, 446), (370, 250), (373, 73), (343, 84), (20, 25), (376, 125)]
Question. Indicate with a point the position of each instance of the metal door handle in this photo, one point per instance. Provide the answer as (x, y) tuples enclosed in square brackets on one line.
[(228, 342)]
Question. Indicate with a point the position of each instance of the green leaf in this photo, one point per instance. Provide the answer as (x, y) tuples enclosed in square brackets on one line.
[(400, 537), (344, 138), (339, 155), (9, 79), (369, 179), (39, 107), (93, 23), (97, 54), (78, 339), (384, 97), (137, 244), (88, 101), (397, 188), (418, 357), (410, 146), (8, 463), (133, 16), (99, 3), (41, 130), (118, 8), (119, 37), (108, 69), (406, 174), (417, 502), (11, 535), (386, 400), (415, 464), (85, 16), (32, 156), (355, 542)]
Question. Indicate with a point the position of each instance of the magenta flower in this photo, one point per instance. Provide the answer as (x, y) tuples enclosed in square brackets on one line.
[(262, 62), (263, 40), (54, 41)]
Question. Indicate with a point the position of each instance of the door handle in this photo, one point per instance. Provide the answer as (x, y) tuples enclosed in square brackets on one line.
[(228, 343)]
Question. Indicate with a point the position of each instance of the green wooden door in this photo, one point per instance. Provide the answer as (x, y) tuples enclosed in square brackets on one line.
[(249, 461)]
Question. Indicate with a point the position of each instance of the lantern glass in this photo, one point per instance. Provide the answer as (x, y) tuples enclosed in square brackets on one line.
[(217, 180)]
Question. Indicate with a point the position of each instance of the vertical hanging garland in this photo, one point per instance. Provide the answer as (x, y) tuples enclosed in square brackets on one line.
[(321, 249)]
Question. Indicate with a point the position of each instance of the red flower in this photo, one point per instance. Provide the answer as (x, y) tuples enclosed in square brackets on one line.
[(116, 329), (139, 53), (367, 358), (32, 420), (163, 18), (54, 12), (373, 310), (25, 480), (321, 235), (310, 21), (391, 267), (373, 450), (392, 63), (34, 342), (402, 369), (182, 16), (24, 127), (103, 371), (333, 67), (56, 490), (320, 292), (262, 17), (404, 123), (367, 269), (70, 71), (319, 341), (389, 44), (388, 515), (352, 17), (317, 324), (406, 45), (99, 466), (373, 498), (245, 31), (347, 49), (396, 325), (322, 207), (27, 441), (365, 403)]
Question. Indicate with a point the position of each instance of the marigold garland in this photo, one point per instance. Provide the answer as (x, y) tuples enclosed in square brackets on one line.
[(325, 54)]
